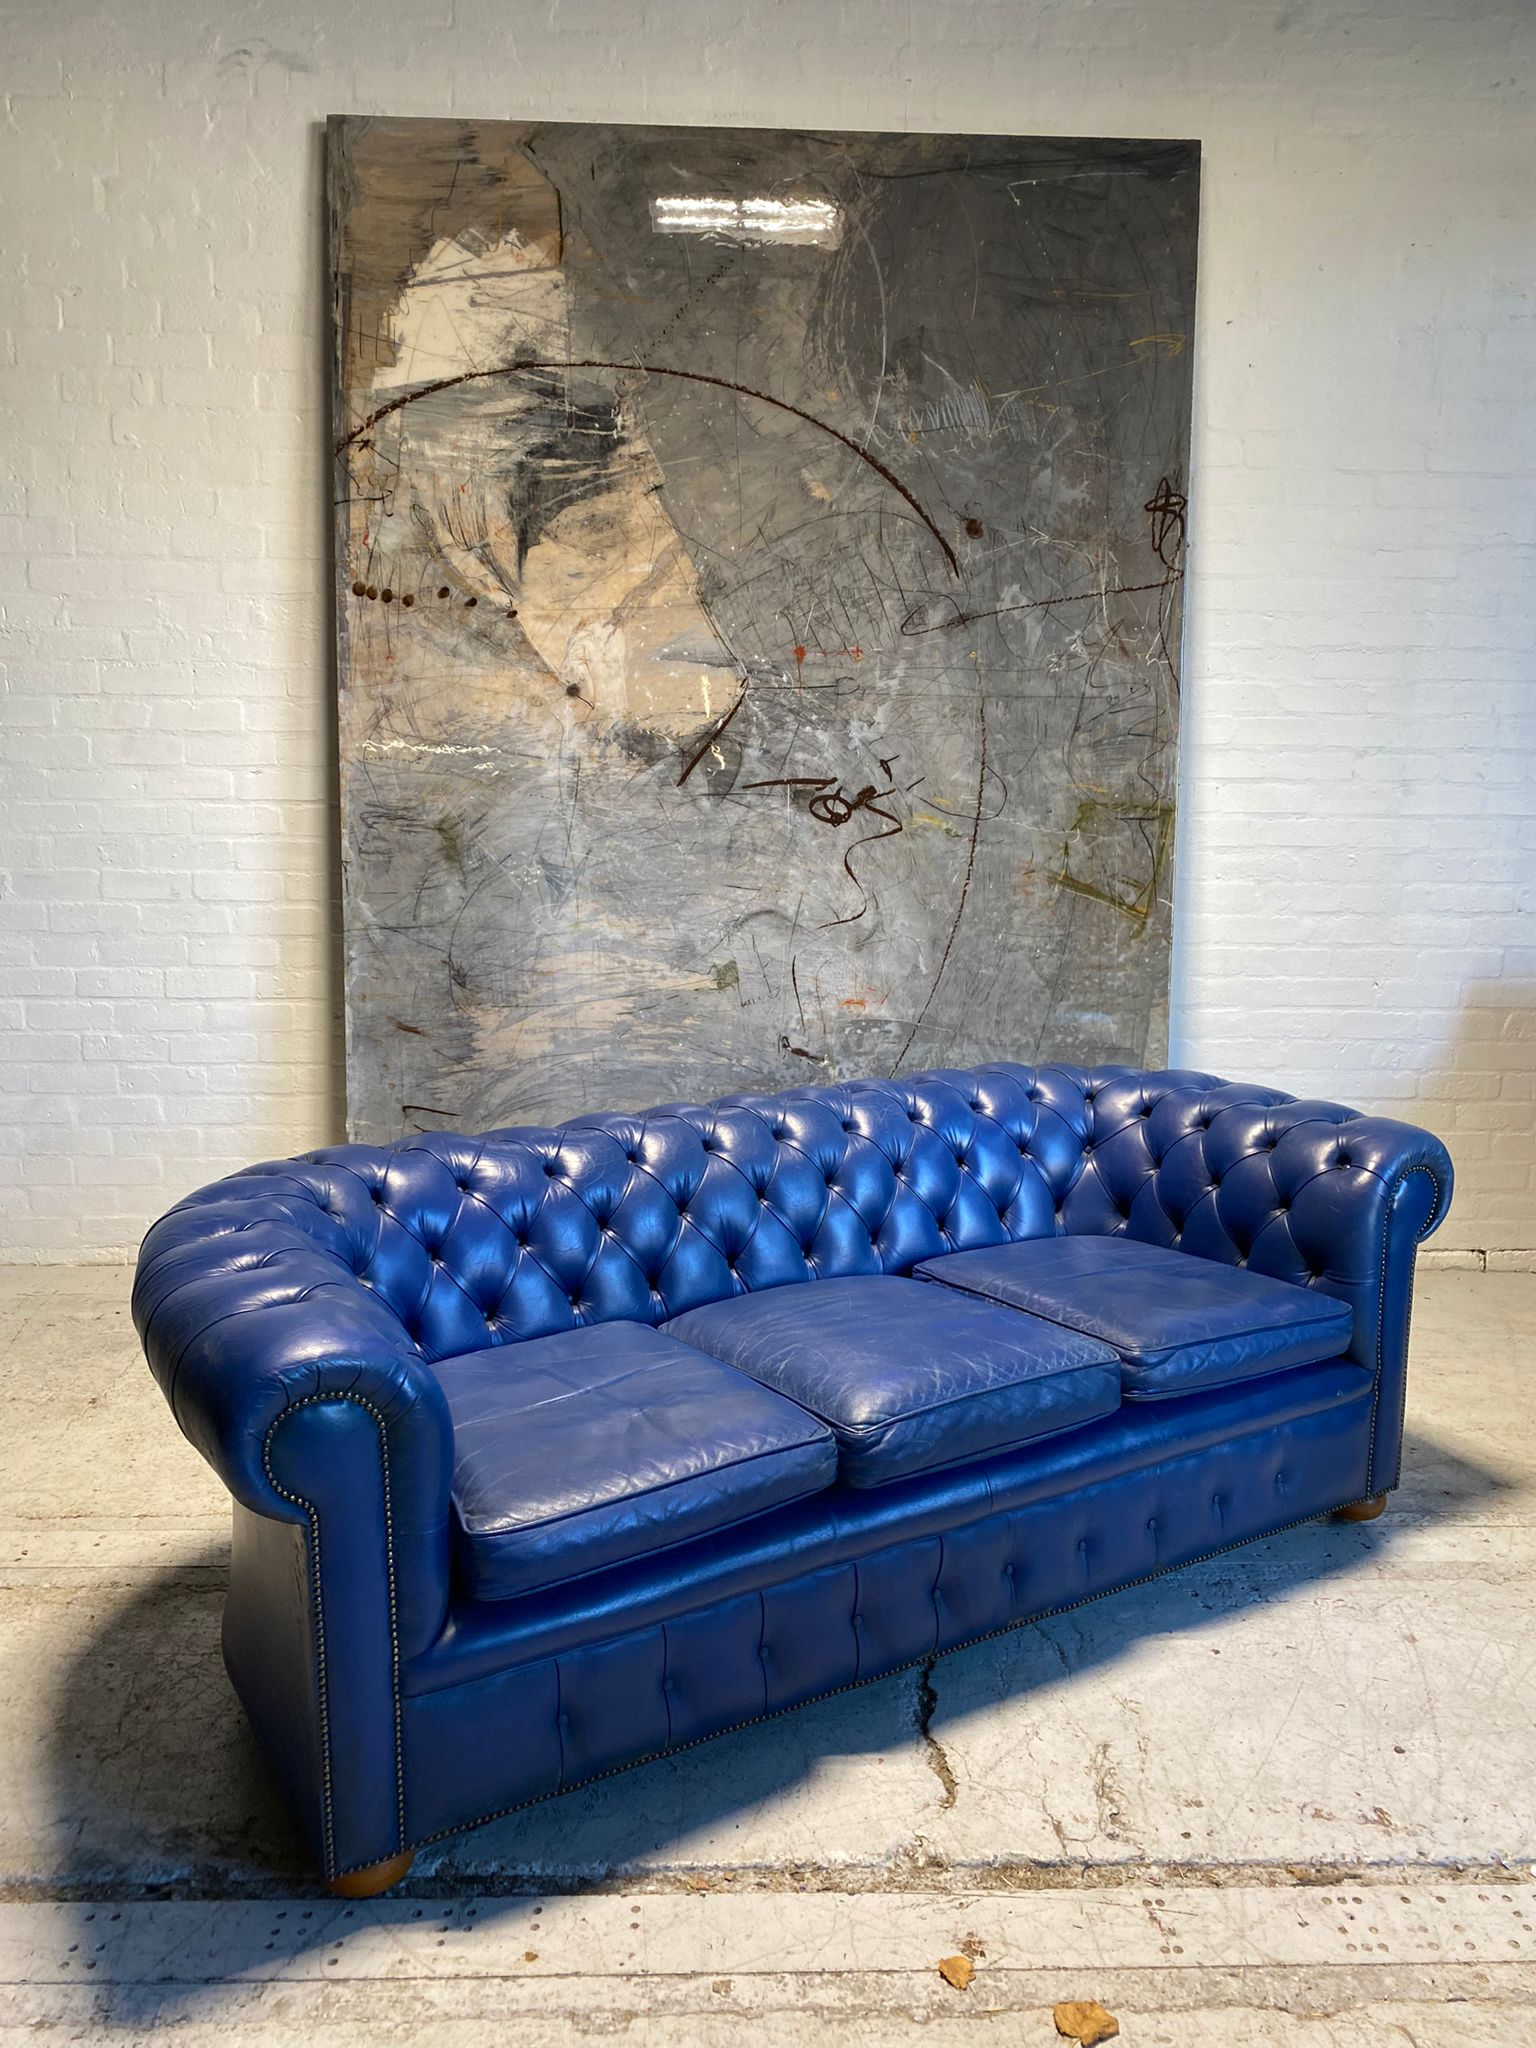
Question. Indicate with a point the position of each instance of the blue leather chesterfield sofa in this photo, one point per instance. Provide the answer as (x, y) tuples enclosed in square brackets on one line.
[(554, 1450)]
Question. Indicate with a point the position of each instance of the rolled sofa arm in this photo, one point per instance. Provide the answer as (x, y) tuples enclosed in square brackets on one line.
[(251, 1314), (1307, 1191)]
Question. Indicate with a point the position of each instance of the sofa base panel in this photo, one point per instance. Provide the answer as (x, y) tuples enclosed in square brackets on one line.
[(568, 1719), (485, 1639)]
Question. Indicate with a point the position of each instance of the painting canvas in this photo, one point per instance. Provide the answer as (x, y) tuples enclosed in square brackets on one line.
[(759, 565)]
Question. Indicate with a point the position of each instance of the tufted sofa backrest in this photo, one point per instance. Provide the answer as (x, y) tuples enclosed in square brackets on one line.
[(472, 1241)]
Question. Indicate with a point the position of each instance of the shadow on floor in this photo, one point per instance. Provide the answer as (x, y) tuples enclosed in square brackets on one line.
[(159, 1789)]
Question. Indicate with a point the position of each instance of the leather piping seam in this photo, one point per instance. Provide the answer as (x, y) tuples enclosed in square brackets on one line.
[(327, 1786), (1398, 1182), (851, 1685)]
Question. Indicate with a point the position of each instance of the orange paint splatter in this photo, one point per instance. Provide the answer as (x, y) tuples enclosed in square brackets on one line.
[(829, 654)]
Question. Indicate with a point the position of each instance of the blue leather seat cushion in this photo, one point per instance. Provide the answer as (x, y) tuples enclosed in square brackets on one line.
[(581, 1450), (910, 1378), (1177, 1321)]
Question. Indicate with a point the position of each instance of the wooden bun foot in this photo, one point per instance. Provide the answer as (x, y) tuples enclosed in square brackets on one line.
[(375, 1878), (1361, 1510)]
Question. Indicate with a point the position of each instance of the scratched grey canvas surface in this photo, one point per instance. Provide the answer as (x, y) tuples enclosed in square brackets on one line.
[(760, 563)]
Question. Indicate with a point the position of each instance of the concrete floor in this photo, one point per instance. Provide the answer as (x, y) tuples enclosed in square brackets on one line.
[(1285, 1799)]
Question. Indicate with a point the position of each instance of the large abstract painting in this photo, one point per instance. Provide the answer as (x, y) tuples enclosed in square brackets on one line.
[(760, 568)]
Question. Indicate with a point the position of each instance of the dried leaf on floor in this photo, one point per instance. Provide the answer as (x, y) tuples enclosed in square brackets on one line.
[(957, 1971), (1085, 2021)]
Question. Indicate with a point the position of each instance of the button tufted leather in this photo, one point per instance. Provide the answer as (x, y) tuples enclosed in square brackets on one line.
[(612, 1443), (1176, 1323), (293, 1313), (911, 1379), (257, 1282)]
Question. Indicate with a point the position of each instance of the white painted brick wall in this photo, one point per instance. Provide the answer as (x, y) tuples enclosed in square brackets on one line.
[(1358, 838)]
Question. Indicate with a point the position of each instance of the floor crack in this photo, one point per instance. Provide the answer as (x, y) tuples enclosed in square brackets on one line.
[(938, 1761)]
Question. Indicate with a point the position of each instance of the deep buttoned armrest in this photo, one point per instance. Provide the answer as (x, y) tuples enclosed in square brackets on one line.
[(251, 1315)]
